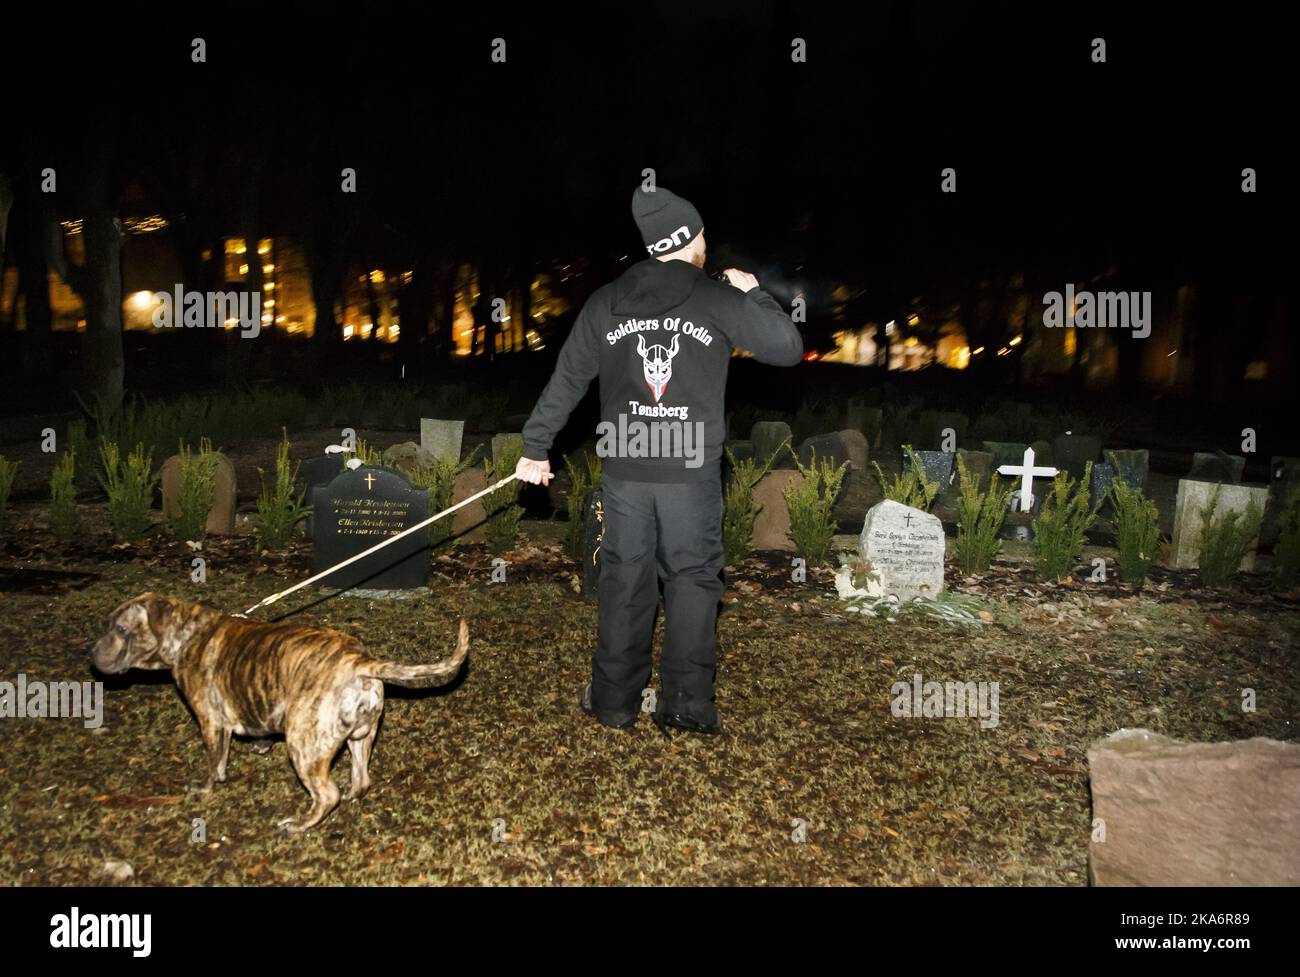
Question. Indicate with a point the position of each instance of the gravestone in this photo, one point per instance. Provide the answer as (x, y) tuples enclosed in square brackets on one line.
[(905, 547), (320, 470), (1284, 478), (1005, 452), (1043, 451), (859, 417), (1194, 814), (1071, 452), (406, 457), (1099, 485), (467, 522), (362, 507), (772, 519), (1217, 466), (1193, 498), (593, 537), (932, 423), (767, 437), (1131, 466), (221, 518), (442, 439), (937, 465), (503, 443), (837, 448)]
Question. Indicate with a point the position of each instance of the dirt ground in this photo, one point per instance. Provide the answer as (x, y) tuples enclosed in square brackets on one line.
[(500, 779)]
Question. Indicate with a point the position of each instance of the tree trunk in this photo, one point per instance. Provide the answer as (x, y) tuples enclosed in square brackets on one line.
[(103, 299)]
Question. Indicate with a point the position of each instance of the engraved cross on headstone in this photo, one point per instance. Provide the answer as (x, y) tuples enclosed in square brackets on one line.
[(1027, 473), (370, 480)]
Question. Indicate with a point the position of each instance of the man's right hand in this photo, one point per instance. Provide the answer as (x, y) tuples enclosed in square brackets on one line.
[(534, 472), (743, 280)]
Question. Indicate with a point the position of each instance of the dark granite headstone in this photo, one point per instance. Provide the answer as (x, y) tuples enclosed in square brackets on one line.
[(1284, 477), (767, 437), (932, 424), (594, 536), (937, 465), (1131, 466), (360, 508), (1099, 488), (1072, 452), (835, 446), (1006, 452), (1043, 453), (315, 472), (1217, 466)]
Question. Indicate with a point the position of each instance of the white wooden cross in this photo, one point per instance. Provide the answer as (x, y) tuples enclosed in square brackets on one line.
[(1027, 473)]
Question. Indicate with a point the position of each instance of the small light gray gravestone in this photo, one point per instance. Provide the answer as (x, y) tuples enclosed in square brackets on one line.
[(1193, 498), (442, 439), (905, 546)]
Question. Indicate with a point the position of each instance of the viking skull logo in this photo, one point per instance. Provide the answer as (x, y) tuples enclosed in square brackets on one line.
[(658, 362)]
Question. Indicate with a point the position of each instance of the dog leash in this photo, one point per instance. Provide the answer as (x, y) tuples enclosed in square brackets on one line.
[(266, 601)]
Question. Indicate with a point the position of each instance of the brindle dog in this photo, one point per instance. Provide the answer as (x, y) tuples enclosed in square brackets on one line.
[(316, 686)]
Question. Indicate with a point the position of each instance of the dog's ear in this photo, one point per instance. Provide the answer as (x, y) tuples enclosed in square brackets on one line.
[(158, 612)]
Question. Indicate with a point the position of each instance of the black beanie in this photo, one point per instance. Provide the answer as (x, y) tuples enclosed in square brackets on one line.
[(666, 221)]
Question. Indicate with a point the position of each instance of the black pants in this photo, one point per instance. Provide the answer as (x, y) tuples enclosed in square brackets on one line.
[(658, 531)]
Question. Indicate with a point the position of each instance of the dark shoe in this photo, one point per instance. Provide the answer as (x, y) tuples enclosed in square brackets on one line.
[(677, 720), (585, 702)]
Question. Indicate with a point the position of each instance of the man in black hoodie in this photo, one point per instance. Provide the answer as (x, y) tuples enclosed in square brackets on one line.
[(660, 338)]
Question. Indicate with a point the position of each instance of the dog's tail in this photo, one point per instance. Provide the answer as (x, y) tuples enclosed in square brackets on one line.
[(425, 676)]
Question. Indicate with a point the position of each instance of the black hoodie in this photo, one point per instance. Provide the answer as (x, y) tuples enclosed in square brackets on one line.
[(660, 338)]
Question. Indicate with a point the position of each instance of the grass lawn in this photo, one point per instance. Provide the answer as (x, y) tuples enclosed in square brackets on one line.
[(804, 689)]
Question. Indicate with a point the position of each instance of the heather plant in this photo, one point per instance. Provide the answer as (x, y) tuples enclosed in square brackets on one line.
[(1061, 526), (809, 501), (8, 469), (1286, 553), (1137, 528), (502, 528), (979, 519), (63, 498), (197, 491), (279, 510), (129, 483), (1225, 540), (910, 487), (582, 479)]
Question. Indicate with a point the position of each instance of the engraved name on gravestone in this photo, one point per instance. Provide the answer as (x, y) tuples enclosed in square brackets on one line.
[(905, 546), (362, 507)]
